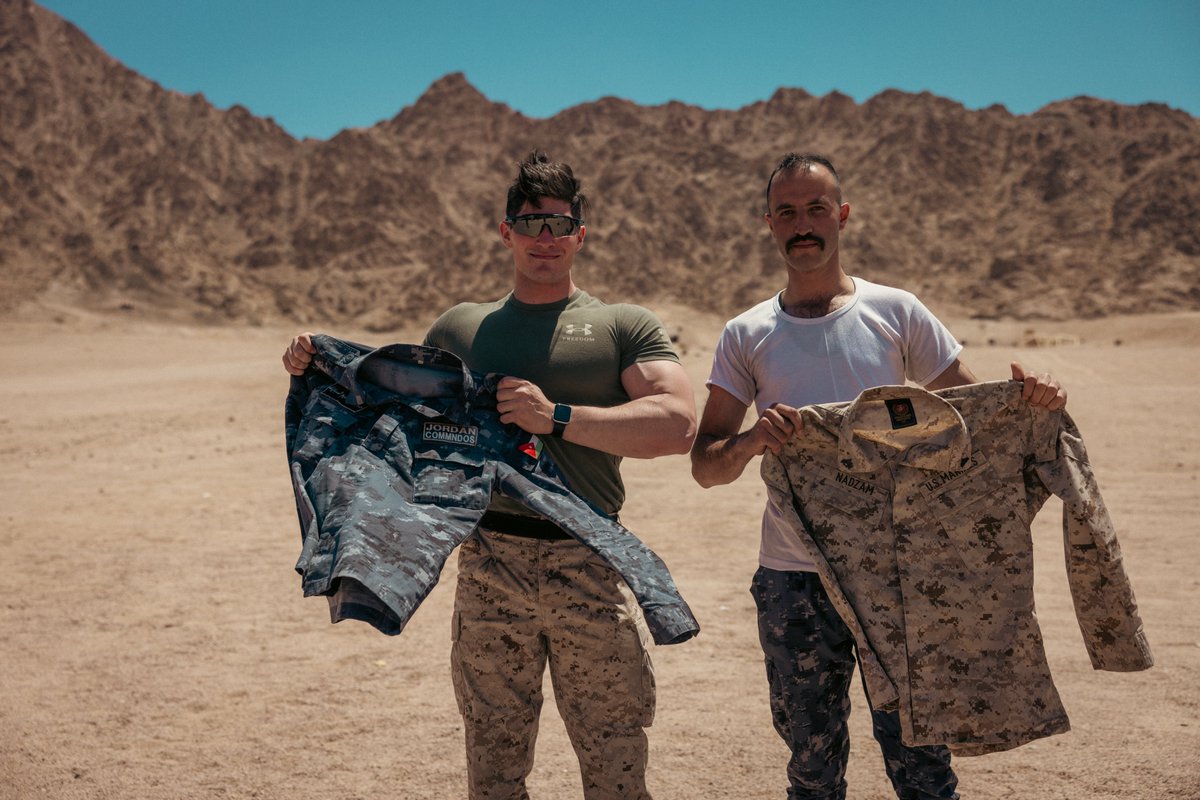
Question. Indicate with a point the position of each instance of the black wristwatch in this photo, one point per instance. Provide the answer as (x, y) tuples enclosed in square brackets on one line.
[(562, 415)]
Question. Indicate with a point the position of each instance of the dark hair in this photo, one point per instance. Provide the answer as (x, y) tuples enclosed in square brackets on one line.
[(538, 177), (803, 161)]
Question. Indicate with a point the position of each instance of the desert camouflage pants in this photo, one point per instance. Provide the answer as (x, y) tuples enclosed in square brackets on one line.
[(522, 604), (810, 660)]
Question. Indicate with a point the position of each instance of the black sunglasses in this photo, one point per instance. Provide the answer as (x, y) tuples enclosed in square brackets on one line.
[(532, 224)]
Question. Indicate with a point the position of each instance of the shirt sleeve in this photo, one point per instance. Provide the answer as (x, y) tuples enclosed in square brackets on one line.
[(1105, 606), (643, 337), (433, 336), (730, 371), (931, 348)]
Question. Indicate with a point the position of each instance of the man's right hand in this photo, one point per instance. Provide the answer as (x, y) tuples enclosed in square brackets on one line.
[(299, 354), (774, 427), (720, 453)]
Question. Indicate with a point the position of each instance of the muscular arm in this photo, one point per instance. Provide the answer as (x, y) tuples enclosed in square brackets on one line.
[(659, 418), (720, 453)]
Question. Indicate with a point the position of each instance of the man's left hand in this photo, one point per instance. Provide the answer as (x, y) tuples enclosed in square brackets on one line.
[(1040, 388), (522, 403)]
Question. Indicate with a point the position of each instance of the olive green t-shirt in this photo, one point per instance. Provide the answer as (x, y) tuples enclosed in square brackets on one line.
[(574, 350)]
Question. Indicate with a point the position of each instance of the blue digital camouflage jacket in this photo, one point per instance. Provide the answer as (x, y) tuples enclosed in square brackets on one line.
[(394, 455)]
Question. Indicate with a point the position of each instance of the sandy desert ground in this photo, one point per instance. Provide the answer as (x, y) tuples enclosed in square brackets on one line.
[(155, 643)]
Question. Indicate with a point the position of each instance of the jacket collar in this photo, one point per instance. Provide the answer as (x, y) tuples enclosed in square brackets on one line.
[(434, 382), (905, 424)]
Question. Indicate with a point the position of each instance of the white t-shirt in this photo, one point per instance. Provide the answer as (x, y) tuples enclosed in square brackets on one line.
[(881, 337)]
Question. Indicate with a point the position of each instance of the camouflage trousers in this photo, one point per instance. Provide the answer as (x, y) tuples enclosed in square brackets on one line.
[(522, 604), (809, 654)]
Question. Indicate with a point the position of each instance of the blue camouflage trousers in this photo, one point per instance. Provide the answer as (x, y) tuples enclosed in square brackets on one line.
[(809, 654), (523, 604)]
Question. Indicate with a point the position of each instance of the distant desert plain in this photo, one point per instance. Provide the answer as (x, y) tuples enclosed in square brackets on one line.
[(156, 643)]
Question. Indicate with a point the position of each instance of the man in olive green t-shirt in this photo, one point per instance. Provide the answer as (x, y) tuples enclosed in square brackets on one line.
[(574, 350), (594, 382)]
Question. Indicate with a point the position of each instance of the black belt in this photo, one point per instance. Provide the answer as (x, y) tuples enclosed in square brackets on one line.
[(521, 525)]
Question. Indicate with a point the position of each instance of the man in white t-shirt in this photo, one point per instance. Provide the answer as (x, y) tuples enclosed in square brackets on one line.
[(825, 338)]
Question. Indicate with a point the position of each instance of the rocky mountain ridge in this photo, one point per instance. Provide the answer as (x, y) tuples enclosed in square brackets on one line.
[(118, 193)]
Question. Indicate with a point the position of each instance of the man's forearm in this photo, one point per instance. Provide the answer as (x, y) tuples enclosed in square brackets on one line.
[(647, 427), (718, 460)]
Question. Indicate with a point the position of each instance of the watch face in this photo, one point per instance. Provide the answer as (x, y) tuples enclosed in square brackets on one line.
[(562, 413)]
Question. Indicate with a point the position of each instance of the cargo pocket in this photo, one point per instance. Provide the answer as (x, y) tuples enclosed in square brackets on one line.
[(450, 479), (612, 690)]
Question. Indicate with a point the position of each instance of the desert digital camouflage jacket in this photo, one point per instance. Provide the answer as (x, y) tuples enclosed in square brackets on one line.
[(394, 455), (917, 507)]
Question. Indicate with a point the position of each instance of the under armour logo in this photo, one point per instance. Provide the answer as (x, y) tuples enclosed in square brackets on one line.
[(571, 329)]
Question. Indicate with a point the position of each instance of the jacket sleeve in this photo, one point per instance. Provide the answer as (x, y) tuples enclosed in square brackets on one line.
[(1104, 603), (293, 411)]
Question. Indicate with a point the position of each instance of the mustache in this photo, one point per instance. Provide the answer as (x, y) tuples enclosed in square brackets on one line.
[(805, 237)]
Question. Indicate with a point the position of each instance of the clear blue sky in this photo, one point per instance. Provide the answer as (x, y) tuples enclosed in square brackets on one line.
[(317, 66)]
